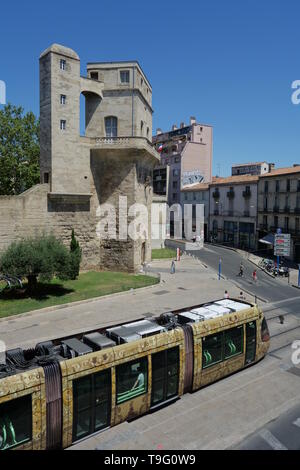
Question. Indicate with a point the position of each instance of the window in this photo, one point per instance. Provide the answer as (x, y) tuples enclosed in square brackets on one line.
[(175, 172), (91, 403), (288, 185), (62, 64), (94, 75), (15, 422), (277, 186), (174, 184), (297, 225), (124, 76), (265, 220), (233, 341), (185, 196), (142, 126), (174, 196), (211, 350), (111, 126), (194, 196), (148, 132), (276, 221), (131, 379), (63, 99), (266, 204), (142, 81), (177, 159), (63, 124), (266, 186), (222, 346), (286, 224), (46, 177)]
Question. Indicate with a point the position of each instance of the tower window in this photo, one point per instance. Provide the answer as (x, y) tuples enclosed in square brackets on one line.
[(63, 124), (94, 75), (62, 64), (124, 76), (142, 126), (46, 177), (111, 126), (63, 99)]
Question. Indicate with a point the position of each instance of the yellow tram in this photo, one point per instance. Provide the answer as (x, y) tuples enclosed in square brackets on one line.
[(66, 389)]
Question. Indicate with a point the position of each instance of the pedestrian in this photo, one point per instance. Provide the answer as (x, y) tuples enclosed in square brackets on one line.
[(241, 273), (254, 275), (226, 295), (173, 267)]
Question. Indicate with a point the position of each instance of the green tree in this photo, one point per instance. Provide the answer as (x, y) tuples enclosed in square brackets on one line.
[(19, 150), (37, 258), (75, 253)]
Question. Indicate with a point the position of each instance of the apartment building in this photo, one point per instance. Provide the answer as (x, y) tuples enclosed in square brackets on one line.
[(233, 211), (187, 151), (279, 205), (197, 194)]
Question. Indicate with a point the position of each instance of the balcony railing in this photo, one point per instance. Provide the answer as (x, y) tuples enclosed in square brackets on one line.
[(287, 209), (246, 193), (276, 209), (216, 194), (230, 194), (246, 213)]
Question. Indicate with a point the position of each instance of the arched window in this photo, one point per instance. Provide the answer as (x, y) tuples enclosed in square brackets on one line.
[(142, 127), (111, 126)]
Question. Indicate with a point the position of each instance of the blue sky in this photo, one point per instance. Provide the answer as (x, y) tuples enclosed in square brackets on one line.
[(229, 63)]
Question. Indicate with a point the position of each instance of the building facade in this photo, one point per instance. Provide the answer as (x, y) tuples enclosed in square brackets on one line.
[(197, 194), (112, 163), (279, 205), (233, 211), (187, 151)]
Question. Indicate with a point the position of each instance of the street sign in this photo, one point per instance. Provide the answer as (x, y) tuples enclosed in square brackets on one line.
[(282, 244)]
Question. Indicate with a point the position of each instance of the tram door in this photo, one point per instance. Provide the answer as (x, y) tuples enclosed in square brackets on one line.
[(165, 371), (250, 342), (92, 403)]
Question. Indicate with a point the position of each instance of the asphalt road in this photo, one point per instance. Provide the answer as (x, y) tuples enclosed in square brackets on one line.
[(266, 287), (281, 434)]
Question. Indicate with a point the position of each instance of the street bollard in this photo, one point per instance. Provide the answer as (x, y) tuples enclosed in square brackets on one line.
[(220, 268)]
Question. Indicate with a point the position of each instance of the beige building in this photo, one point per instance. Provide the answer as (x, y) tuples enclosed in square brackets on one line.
[(233, 211), (80, 174), (279, 205), (187, 151)]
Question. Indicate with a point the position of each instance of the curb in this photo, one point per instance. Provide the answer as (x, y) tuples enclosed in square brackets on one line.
[(250, 293), (78, 302)]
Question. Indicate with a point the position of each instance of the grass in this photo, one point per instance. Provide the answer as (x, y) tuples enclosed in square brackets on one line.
[(88, 285), (163, 253)]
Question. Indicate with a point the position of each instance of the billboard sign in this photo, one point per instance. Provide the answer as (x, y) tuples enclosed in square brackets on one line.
[(282, 244), (191, 177)]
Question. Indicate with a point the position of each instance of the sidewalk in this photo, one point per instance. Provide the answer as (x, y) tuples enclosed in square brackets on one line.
[(191, 284)]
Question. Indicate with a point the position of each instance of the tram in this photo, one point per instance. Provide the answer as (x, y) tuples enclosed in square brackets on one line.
[(67, 389)]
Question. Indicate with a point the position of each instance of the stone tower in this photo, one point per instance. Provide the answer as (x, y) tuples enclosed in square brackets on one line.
[(115, 157)]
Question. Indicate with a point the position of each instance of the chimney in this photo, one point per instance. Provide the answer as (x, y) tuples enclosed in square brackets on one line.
[(158, 131), (296, 164), (174, 127), (192, 120), (182, 125)]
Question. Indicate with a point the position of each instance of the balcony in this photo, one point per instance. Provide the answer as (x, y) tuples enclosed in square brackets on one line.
[(246, 213), (276, 209), (297, 210), (216, 194), (287, 209), (247, 193), (230, 194)]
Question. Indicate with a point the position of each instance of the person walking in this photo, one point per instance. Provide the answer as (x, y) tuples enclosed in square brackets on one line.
[(254, 275), (241, 273), (173, 267), (241, 296), (226, 295)]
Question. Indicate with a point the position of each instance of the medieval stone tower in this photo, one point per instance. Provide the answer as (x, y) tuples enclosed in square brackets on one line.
[(114, 159)]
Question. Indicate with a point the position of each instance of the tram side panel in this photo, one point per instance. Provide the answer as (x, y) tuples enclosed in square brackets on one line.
[(23, 411)]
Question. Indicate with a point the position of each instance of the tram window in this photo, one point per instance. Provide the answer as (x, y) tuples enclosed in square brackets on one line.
[(15, 422), (131, 379), (233, 341), (211, 350)]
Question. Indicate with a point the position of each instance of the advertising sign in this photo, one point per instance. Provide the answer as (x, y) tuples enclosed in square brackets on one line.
[(282, 244)]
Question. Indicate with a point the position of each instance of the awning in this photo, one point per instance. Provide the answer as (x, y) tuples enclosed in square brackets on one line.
[(268, 239)]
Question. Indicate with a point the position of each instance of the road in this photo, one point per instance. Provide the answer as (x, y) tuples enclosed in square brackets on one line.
[(266, 287)]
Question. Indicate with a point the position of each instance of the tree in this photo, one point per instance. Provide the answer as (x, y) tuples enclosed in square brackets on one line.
[(19, 150), (42, 257), (75, 253)]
